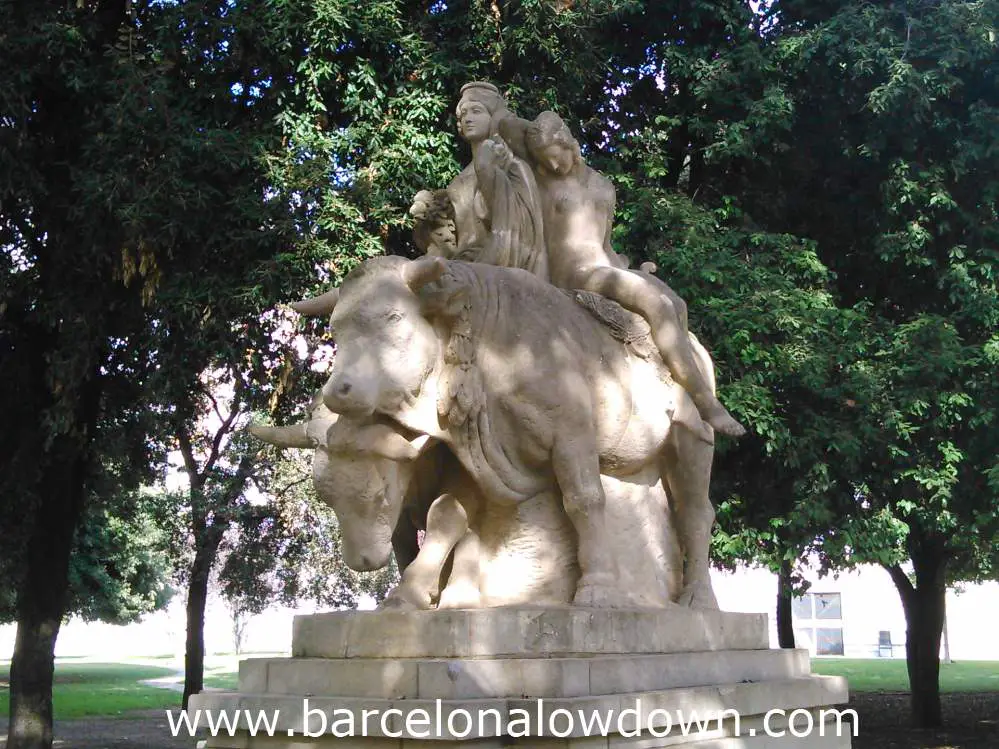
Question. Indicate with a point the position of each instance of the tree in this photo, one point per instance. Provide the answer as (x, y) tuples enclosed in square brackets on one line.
[(786, 360), (66, 319), (125, 158), (891, 121)]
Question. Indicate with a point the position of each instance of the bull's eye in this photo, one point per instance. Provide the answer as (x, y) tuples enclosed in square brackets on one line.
[(394, 316)]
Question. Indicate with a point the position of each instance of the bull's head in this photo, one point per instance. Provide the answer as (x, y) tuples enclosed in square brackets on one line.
[(383, 320), (362, 470)]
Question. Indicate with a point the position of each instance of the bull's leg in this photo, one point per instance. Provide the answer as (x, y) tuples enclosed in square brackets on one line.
[(577, 470), (462, 589), (687, 474), (447, 522), (665, 313), (404, 541)]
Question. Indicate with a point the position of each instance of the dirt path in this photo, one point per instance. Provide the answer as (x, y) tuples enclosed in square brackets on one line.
[(145, 729)]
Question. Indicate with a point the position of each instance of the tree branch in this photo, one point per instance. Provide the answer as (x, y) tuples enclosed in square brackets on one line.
[(196, 478), (902, 582), (285, 489), (226, 426)]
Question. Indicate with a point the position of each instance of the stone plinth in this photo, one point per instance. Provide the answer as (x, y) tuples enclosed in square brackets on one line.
[(532, 678)]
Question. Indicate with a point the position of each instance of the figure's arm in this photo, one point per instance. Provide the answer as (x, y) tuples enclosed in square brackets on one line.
[(492, 160), (513, 130), (621, 261)]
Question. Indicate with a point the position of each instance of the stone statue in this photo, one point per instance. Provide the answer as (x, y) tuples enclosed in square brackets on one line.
[(578, 208), (542, 413), (495, 395), (495, 206), (528, 389)]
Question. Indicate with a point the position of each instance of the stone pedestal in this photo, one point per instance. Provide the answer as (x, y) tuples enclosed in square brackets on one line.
[(533, 678)]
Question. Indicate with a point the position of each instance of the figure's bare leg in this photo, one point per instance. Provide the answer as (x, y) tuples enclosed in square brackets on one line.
[(462, 590), (447, 522), (577, 470), (635, 292), (687, 474)]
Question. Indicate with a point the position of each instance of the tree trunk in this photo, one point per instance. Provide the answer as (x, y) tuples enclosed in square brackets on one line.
[(925, 607), (31, 672), (41, 602), (785, 592), (197, 600)]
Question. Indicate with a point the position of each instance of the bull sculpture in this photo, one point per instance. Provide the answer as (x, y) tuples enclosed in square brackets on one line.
[(541, 406), (383, 487)]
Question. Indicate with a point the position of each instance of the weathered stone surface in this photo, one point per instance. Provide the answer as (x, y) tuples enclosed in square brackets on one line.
[(674, 712), (524, 632), (475, 678)]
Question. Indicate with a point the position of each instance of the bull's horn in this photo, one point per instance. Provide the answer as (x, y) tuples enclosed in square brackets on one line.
[(648, 267), (419, 273), (289, 436), (317, 306), (385, 442)]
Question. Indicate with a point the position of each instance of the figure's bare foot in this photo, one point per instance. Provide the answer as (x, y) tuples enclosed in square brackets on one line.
[(725, 424), (720, 420)]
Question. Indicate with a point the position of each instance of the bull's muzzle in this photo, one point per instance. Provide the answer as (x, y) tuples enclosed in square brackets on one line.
[(343, 395)]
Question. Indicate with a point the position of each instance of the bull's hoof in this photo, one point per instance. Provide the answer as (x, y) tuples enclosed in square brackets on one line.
[(460, 596), (399, 599), (600, 592), (397, 604), (698, 595)]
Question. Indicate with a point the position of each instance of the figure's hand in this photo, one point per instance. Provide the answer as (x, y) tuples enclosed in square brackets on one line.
[(501, 154), (422, 203), (493, 153)]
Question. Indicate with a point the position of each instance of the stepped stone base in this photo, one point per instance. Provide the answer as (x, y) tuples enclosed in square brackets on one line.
[(531, 678)]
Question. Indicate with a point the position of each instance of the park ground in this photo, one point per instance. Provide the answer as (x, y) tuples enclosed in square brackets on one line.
[(122, 705)]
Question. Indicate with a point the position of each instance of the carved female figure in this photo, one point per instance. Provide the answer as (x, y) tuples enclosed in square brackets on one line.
[(578, 210), (497, 215)]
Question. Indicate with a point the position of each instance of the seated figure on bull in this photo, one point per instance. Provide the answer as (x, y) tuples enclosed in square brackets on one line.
[(578, 209), (554, 219), (491, 212)]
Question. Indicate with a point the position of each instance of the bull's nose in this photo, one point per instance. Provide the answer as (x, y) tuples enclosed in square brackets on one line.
[(349, 396), (338, 396)]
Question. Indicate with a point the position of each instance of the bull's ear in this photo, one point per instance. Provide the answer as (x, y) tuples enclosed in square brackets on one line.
[(289, 436), (385, 442), (444, 298), (427, 269)]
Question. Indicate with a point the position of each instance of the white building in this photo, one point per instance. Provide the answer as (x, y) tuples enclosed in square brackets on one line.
[(858, 614)]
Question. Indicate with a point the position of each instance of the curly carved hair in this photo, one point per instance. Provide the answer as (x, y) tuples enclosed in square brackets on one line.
[(549, 129)]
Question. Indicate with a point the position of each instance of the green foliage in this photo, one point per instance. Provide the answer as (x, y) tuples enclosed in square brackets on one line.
[(893, 125), (291, 550), (117, 571)]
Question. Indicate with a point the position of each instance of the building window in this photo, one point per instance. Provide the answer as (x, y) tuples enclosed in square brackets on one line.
[(829, 641), (818, 623)]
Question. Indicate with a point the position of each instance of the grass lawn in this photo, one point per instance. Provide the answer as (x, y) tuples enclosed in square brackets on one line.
[(224, 680), (108, 689), (889, 674)]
